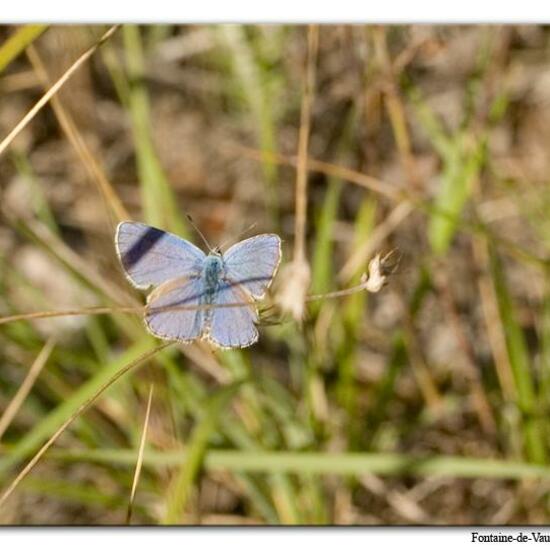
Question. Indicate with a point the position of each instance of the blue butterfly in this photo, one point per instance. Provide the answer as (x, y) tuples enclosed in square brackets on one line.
[(183, 275)]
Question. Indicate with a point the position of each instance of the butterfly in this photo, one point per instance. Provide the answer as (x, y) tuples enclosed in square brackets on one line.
[(184, 276)]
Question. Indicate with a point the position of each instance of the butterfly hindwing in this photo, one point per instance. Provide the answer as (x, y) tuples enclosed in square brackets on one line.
[(151, 256), (173, 311), (252, 263), (234, 326)]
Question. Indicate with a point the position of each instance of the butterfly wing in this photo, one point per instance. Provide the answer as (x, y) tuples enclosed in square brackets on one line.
[(172, 312), (232, 327), (151, 256), (252, 263)]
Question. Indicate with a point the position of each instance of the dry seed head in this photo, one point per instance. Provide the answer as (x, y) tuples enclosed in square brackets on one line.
[(291, 296), (379, 269)]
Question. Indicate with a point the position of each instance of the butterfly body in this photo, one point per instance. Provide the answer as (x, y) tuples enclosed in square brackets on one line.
[(212, 276), (197, 295), (212, 272)]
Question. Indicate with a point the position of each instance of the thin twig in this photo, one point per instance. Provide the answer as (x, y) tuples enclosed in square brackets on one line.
[(346, 174), (380, 233), (338, 293), (102, 310), (54, 89)]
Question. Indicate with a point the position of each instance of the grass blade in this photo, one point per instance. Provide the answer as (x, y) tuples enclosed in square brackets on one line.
[(139, 462), (159, 203), (95, 172), (16, 43), (4, 144), (14, 405), (353, 464), (521, 366), (248, 72), (180, 488), (67, 413)]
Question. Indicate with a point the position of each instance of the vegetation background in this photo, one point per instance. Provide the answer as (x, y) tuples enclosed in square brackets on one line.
[(427, 402)]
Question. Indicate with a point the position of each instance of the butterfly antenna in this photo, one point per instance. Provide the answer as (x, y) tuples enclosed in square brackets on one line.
[(199, 232), (251, 226)]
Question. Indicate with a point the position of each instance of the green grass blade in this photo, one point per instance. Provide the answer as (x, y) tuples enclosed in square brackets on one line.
[(461, 160), (17, 42), (39, 202), (47, 426), (159, 202), (431, 124), (191, 394), (388, 464), (323, 264), (252, 83), (353, 311), (544, 393), (384, 391), (521, 366), (180, 488), (74, 491), (460, 169)]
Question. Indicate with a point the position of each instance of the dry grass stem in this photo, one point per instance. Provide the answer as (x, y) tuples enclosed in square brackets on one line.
[(139, 462), (96, 173), (394, 106), (26, 386), (4, 144), (366, 181), (481, 403), (380, 267), (297, 274), (379, 234)]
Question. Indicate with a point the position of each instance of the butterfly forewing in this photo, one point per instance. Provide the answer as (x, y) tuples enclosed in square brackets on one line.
[(252, 263), (151, 256)]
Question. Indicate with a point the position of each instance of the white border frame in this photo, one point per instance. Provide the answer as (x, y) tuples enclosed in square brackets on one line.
[(281, 11)]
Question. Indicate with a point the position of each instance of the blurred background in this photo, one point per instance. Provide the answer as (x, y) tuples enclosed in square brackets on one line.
[(425, 403)]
